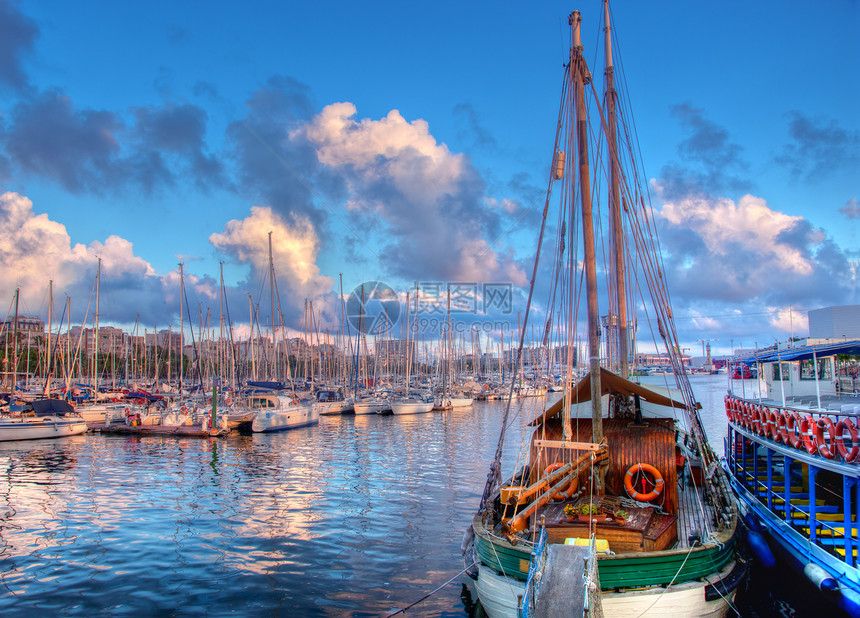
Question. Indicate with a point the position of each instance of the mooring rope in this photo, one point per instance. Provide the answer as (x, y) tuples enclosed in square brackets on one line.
[(429, 594)]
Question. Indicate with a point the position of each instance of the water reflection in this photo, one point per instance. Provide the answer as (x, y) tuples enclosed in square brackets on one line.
[(356, 516)]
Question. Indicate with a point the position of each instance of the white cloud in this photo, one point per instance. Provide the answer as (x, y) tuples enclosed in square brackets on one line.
[(725, 226), (34, 249), (295, 248)]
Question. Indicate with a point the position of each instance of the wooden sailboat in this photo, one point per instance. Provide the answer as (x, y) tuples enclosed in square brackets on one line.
[(608, 465)]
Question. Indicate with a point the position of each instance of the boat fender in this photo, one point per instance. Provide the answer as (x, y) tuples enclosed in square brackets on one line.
[(824, 449), (760, 548), (848, 454), (821, 578), (753, 522)]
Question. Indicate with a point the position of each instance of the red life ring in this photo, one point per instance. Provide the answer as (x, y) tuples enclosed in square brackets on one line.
[(127, 411), (825, 450), (565, 492), (783, 427), (183, 410), (772, 428), (792, 426), (760, 421), (658, 482), (848, 455), (806, 425)]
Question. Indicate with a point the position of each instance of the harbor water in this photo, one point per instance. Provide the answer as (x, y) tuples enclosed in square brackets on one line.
[(358, 516)]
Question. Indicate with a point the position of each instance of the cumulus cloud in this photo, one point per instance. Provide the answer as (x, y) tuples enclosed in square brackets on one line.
[(278, 170), (819, 148), (295, 248), (17, 36), (91, 150), (742, 251), (35, 249), (429, 200)]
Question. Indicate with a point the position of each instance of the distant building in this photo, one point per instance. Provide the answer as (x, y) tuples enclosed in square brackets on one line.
[(839, 322), (25, 325)]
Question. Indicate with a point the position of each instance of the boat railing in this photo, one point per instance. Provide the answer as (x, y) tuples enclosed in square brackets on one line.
[(830, 434), (526, 604)]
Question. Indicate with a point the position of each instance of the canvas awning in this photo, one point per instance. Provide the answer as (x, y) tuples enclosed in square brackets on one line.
[(609, 383), (805, 352)]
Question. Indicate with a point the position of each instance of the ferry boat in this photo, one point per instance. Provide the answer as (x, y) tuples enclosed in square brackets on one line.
[(793, 456)]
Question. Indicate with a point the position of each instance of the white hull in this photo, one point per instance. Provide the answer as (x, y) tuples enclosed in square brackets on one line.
[(290, 417), (370, 407), (498, 596), (40, 428), (335, 407), (461, 402), (411, 407)]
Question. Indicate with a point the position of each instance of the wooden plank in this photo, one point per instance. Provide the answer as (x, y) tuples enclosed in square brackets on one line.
[(572, 446), (563, 586)]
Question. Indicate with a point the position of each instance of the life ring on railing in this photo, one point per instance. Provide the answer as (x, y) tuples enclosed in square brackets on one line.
[(792, 428), (568, 490), (848, 455), (183, 410), (746, 416), (776, 430), (782, 426), (825, 450), (769, 423), (658, 482), (806, 428), (127, 411), (730, 408), (759, 421)]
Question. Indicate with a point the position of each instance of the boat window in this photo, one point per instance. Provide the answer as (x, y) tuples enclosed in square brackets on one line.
[(807, 371), (785, 372)]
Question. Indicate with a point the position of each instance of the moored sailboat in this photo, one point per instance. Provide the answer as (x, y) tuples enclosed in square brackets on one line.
[(612, 463)]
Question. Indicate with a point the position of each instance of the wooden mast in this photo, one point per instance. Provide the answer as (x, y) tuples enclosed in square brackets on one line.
[(619, 297), (581, 77)]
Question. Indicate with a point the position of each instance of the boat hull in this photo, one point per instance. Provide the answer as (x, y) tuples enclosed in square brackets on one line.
[(370, 407), (411, 407), (39, 429), (280, 420)]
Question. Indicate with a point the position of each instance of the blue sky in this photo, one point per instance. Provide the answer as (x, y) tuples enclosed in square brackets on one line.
[(395, 142)]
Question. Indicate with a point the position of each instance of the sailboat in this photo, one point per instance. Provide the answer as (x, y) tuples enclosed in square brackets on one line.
[(614, 465)]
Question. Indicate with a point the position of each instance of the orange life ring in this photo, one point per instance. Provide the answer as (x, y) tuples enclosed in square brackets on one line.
[(848, 455), (565, 492), (183, 410), (806, 425), (729, 406), (824, 449), (783, 427), (658, 482)]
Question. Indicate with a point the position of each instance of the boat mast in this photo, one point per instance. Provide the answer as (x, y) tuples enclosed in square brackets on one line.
[(619, 298), (581, 77), (96, 337), (181, 326)]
